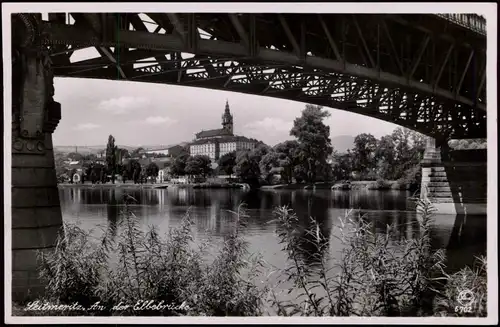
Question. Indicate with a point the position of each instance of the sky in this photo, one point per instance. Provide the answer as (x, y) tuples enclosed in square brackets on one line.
[(153, 114)]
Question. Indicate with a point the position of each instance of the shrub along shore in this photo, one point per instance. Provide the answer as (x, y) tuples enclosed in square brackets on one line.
[(375, 275)]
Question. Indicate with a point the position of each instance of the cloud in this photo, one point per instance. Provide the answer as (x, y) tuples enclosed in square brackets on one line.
[(86, 127), (156, 120), (271, 125), (123, 105)]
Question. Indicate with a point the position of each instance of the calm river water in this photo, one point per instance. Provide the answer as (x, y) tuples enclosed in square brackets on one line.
[(463, 237)]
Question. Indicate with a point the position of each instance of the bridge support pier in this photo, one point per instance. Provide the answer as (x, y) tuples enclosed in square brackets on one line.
[(36, 212), (454, 181)]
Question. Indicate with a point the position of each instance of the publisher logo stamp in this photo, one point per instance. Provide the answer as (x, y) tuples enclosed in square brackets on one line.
[(466, 299)]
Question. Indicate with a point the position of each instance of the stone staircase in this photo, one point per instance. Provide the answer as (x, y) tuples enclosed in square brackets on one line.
[(458, 181)]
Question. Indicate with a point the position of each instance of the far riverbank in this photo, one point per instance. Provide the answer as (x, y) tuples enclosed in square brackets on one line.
[(154, 186), (116, 185), (346, 186)]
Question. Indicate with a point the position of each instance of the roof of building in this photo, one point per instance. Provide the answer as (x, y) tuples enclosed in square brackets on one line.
[(170, 147), (213, 133), (164, 159), (225, 139)]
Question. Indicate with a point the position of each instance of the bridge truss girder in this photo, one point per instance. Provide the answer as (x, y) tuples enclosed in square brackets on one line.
[(412, 70)]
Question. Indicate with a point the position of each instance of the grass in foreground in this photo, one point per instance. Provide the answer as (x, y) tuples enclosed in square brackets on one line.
[(374, 276)]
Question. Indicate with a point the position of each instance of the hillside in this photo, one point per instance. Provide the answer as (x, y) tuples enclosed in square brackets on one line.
[(96, 148)]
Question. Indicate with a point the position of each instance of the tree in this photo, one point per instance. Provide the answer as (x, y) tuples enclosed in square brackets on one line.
[(152, 170), (343, 164), (137, 152), (409, 150), (314, 141), (96, 171), (364, 151), (267, 164), (248, 164), (133, 170), (288, 158), (75, 156), (121, 154), (385, 155), (61, 170), (178, 167), (111, 161), (227, 163), (300, 173), (124, 175), (125, 153), (89, 157), (401, 138), (198, 165), (247, 168)]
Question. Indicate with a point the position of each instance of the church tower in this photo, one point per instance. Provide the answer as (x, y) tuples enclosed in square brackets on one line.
[(227, 119)]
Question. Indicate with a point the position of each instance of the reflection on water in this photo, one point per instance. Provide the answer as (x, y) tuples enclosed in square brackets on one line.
[(462, 236)]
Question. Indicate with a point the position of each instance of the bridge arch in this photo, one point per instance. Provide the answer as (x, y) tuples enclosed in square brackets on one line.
[(398, 68)]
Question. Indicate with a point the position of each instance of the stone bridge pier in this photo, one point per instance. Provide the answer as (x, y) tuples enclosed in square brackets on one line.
[(455, 181), (36, 213)]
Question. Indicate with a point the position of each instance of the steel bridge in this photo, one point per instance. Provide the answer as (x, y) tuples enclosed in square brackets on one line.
[(425, 72)]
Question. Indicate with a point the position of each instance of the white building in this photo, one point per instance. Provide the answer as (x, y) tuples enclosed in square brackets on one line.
[(204, 148), (236, 143), (162, 151), (216, 148), (170, 151), (217, 142)]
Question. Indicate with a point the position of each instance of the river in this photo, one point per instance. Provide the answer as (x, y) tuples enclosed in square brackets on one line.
[(463, 237)]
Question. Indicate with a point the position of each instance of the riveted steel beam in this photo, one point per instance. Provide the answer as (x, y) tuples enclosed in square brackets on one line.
[(254, 43), (332, 43), (178, 27), (143, 40), (395, 55), (466, 68), (104, 51), (363, 42), (240, 30), (481, 83), (421, 51), (443, 65), (289, 34), (192, 33), (314, 78)]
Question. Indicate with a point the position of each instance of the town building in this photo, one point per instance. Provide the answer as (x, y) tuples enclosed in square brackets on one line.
[(217, 142), (172, 151)]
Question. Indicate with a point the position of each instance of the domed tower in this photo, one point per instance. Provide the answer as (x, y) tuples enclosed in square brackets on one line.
[(227, 119)]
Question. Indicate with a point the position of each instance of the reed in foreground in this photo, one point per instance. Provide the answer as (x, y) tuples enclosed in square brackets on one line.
[(119, 276), (372, 276)]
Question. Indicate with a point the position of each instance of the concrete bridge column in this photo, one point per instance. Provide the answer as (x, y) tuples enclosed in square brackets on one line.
[(454, 181), (36, 211), (435, 184)]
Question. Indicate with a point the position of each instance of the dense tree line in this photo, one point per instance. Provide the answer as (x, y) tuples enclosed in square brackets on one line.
[(390, 157), (468, 144)]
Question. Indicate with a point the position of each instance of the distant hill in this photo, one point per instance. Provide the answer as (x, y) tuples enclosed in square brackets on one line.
[(342, 143), (86, 149), (161, 147), (80, 149), (96, 148)]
